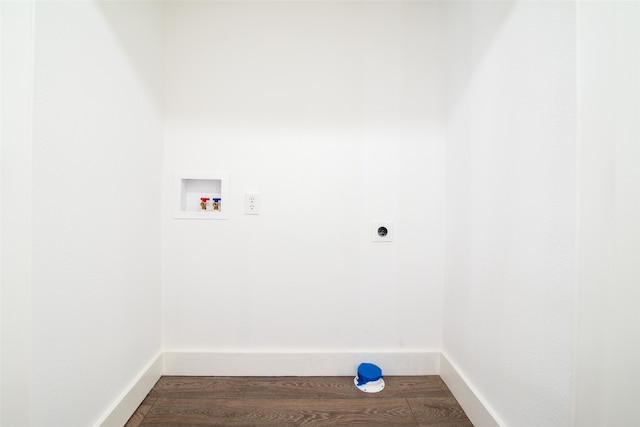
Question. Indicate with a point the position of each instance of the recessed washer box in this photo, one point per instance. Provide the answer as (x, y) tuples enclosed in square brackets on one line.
[(192, 188)]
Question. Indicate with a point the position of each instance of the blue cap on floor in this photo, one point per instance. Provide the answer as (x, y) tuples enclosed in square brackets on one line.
[(369, 378)]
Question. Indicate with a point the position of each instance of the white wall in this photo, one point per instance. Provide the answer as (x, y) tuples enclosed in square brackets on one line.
[(16, 91), (331, 111), (508, 296), (97, 156), (607, 377)]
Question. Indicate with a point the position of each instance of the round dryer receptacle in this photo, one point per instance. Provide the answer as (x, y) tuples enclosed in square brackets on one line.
[(381, 231)]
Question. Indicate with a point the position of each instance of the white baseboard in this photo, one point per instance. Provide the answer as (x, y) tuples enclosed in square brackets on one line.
[(127, 403), (472, 403), (302, 363)]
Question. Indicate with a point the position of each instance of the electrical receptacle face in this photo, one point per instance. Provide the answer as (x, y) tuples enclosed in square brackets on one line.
[(252, 203)]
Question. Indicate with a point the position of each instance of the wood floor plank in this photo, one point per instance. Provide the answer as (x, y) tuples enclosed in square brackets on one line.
[(416, 386), (302, 388), (141, 412), (280, 412), (438, 412), (199, 387), (343, 387)]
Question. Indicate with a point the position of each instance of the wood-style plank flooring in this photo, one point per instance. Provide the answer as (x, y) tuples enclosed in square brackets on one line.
[(301, 401)]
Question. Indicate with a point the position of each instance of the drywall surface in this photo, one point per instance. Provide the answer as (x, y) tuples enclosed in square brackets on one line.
[(329, 110), (607, 377), (510, 205), (97, 156), (16, 89)]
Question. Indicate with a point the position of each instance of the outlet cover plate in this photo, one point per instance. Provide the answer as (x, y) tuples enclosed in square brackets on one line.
[(252, 203)]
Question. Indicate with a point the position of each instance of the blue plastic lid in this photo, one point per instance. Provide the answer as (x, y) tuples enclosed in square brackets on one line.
[(368, 372)]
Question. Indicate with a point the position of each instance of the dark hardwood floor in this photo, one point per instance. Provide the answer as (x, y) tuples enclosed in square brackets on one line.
[(285, 401)]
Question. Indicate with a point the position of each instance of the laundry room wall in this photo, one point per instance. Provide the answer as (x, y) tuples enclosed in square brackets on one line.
[(331, 111), (511, 205), (607, 335), (95, 191)]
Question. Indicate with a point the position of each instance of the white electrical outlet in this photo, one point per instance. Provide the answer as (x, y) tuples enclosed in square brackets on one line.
[(382, 231), (252, 203)]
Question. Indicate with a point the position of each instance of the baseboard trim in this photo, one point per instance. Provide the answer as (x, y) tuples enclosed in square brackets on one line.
[(127, 403), (302, 363), (472, 403)]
